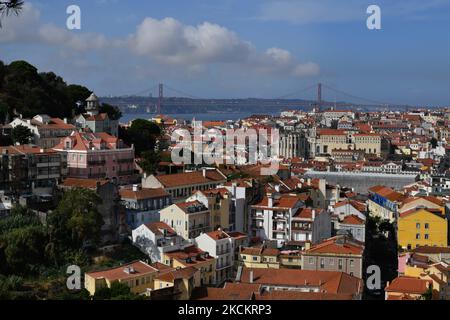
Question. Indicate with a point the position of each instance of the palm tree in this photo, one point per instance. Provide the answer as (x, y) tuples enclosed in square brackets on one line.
[(10, 7)]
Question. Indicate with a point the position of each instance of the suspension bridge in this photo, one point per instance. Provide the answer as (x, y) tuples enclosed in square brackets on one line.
[(162, 96)]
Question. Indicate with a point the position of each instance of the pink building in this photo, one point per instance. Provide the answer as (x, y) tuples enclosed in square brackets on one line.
[(98, 155)]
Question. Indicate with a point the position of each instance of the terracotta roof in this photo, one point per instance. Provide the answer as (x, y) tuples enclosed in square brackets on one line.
[(183, 273), (191, 204), (298, 295), (361, 207), (334, 246), (119, 273), (218, 235), (83, 183), (352, 219), (436, 212), (408, 285), (431, 199), (143, 193), (260, 251), (157, 226), (328, 281), (387, 193), (285, 201), (431, 250), (331, 132), (231, 291), (190, 178)]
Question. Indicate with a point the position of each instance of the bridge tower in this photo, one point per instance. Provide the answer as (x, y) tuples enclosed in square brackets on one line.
[(160, 97)]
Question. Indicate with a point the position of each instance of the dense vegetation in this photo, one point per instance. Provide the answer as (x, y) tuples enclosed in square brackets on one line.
[(24, 90)]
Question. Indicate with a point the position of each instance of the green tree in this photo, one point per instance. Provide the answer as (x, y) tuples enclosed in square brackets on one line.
[(143, 134), (76, 221), (21, 134), (149, 161), (113, 112)]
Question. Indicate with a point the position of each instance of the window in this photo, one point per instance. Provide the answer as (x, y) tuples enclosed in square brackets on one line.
[(427, 226), (255, 258), (417, 236), (311, 260), (322, 263), (331, 261), (352, 263), (244, 257), (426, 236), (417, 225), (340, 264)]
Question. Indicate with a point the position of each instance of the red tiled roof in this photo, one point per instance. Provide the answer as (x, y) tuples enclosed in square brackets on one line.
[(119, 273), (143, 193), (332, 246), (408, 285), (157, 226), (328, 281), (352, 219), (190, 178), (83, 183)]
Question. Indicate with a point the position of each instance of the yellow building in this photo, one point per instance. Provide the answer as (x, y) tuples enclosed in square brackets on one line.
[(422, 227), (183, 282), (218, 201), (137, 275), (369, 142), (260, 257), (188, 219), (192, 256)]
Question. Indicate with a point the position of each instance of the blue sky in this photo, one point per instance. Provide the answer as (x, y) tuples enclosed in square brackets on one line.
[(236, 48)]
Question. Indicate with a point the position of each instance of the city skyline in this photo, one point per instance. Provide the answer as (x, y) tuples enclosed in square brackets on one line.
[(261, 49)]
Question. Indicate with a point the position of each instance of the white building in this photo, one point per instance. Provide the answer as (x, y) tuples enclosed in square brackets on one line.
[(221, 245), (157, 238)]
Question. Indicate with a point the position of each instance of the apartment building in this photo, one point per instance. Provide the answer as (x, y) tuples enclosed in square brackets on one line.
[(244, 193), (305, 282), (192, 256), (188, 219), (271, 219), (340, 253), (384, 202), (422, 227), (47, 132), (98, 156), (31, 169), (218, 201), (222, 246), (137, 275), (260, 257), (182, 185), (157, 238), (369, 142), (312, 225), (143, 205)]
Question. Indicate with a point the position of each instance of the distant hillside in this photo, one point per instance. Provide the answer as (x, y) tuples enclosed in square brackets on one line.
[(23, 90)]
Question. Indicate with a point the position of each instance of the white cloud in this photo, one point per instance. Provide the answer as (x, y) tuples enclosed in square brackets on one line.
[(165, 42), (170, 42)]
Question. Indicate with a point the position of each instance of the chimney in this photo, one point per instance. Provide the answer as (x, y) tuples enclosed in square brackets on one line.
[(307, 245), (65, 120), (251, 276), (277, 188), (313, 214), (135, 187), (204, 172)]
